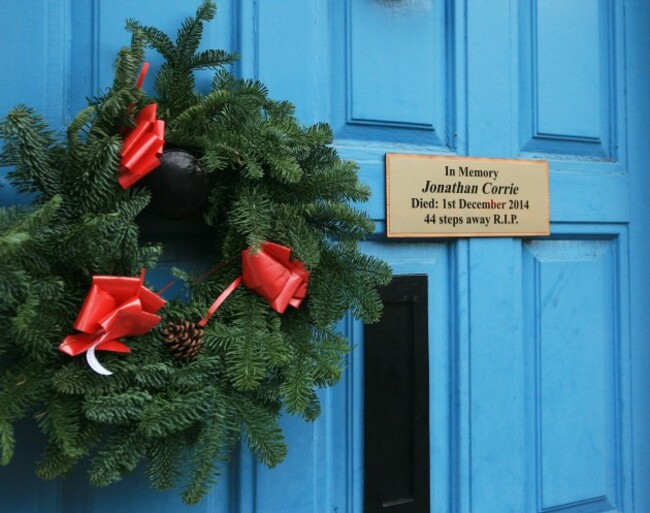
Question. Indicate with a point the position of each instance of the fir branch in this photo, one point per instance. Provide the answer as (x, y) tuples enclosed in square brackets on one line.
[(7, 442), (216, 439), (206, 108), (191, 31), (154, 376), (247, 361), (54, 463), (276, 345), (173, 412), (28, 144), (175, 82), (313, 408), (164, 457), (284, 168), (20, 392), (293, 230), (122, 452), (116, 409), (339, 220), (211, 59), (57, 460), (61, 420), (329, 351), (297, 388), (154, 37), (250, 215), (263, 433), (127, 64), (82, 123), (76, 379), (336, 182)]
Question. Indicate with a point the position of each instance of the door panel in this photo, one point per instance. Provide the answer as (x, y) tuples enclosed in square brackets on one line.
[(378, 95), (577, 385), (569, 66)]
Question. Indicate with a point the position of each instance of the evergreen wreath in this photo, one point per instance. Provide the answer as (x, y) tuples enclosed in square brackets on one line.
[(186, 393)]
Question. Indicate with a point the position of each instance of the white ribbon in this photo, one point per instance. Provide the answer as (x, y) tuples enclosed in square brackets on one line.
[(92, 360)]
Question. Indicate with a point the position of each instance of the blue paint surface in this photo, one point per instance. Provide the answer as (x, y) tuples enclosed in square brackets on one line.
[(539, 359), (569, 75)]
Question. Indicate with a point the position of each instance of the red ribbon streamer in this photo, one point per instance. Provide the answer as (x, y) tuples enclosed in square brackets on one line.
[(143, 146), (271, 274), (116, 306), (142, 75)]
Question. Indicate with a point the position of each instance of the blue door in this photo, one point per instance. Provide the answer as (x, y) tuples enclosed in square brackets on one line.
[(539, 371)]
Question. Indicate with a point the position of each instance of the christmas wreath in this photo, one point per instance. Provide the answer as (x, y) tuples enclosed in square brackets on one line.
[(112, 372)]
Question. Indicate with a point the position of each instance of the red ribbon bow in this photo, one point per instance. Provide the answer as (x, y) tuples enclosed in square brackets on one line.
[(143, 146), (116, 306), (271, 274)]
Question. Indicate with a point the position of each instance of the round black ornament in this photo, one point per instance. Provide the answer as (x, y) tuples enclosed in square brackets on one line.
[(179, 186)]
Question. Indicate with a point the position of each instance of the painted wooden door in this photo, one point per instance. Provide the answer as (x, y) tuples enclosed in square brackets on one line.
[(538, 387)]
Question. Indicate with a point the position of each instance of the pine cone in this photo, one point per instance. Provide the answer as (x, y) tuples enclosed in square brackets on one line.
[(184, 339)]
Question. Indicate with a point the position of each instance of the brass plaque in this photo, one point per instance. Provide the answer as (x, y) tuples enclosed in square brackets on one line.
[(441, 196)]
